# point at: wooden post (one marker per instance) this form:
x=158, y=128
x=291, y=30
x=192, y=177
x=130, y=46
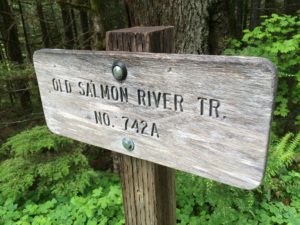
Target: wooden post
x=148, y=188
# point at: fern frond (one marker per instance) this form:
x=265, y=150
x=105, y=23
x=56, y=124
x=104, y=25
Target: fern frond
x=295, y=143
x=281, y=146
x=282, y=153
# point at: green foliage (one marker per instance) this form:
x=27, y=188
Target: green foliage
x=11, y=70
x=39, y=165
x=46, y=179
x=278, y=39
x=36, y=140
x=283, y=170
x=103, y=206
x=282, y=153
x=201, y=201
x=20, y=101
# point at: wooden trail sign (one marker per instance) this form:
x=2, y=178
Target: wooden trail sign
x=207, y=115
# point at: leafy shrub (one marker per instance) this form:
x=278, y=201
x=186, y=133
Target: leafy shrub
x=278, y=39
x=277, y=201
x=10, y=69
x=37, y=165
x=199, y=201
x=102, y=206
x=36, y=140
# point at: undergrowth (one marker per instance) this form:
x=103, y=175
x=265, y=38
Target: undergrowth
x=44, y=185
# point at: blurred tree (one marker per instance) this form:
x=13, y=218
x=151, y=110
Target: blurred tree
x=107, y=15
x=27, y=44
x=67, y=23
x=270, y=6
x=291, y=6
x=40, y=13
x=74, y=25
x=240, y=16
x=9, y=32
x=85, y=28
x=255, y=13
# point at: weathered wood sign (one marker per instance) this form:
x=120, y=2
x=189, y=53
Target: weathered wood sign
x=208, y=115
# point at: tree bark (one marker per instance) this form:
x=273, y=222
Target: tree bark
x=255, y=13
x=29, y=55
x=45, y=34
x=67, y=22
x=10, y=33
x=190, y=19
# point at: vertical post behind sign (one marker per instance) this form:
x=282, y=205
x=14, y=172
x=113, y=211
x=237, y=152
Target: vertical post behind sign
x=148, y=188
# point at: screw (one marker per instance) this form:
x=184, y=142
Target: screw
x=119, y=70
x=128, y=144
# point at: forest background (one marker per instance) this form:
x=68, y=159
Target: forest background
x=47, y=179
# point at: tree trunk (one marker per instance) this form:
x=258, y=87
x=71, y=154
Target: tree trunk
x=67, y=21
x=239, y=18
x=255, y=13
x=270, y=7
x=86, y=43
x=98, y=27
x=24, y=95
x=10, y=33
x=246, y=12
x=1, y=54
x=57, y=39
x=190, y=19
x=13, y=49
x=231, y=15
x=29, y=55
x=74, y=27
x=45, y=34
x=291, y=6
x=218, y=27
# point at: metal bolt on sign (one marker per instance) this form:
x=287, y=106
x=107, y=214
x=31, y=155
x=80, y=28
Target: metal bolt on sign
x=119, y=70
x=128, y=144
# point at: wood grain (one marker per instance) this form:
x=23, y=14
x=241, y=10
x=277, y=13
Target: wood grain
x=149, y=194
x=230, y=148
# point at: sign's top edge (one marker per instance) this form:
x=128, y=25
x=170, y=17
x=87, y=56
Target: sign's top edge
x=261, y=62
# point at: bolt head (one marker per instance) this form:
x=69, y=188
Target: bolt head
x=119, y=71
x=128, y=144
